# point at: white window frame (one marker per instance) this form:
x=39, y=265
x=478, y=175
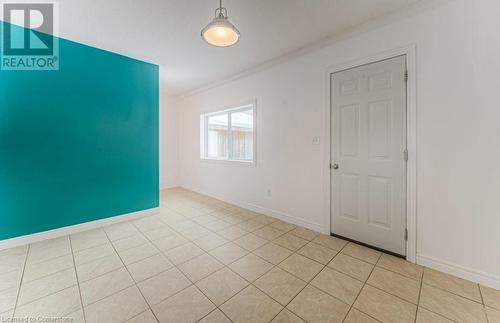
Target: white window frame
x=204, y=135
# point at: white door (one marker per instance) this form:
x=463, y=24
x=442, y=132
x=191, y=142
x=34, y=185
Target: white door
x=368, y=170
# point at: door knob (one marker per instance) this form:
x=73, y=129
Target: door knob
x=335, y=166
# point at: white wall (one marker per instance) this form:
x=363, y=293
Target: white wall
x=458, y=140
x=169, y=158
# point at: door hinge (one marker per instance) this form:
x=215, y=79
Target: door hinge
x=406, y=234
x=406, y=76
x=405, y=154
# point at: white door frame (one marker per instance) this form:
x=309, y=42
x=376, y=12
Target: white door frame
x=411, y=127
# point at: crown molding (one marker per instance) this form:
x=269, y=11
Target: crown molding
x=409, y=11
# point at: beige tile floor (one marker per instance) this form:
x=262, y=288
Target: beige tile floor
x=204, y=260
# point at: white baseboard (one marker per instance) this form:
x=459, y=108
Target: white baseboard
x=56, y=233
x=167, y=186
x=460, y=271
x=263, y=210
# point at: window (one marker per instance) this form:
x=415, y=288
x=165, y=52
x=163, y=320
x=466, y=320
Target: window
x=228, y=134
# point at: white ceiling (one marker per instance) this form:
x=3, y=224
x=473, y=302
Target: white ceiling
x=167, y=32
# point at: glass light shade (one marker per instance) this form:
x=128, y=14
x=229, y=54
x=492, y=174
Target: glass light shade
x=221, y=33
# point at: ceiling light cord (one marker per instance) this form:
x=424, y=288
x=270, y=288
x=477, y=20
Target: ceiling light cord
x=221, y=12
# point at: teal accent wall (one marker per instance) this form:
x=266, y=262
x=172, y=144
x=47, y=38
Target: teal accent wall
x=78, y=144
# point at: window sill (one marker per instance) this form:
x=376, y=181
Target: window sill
x=229, y=161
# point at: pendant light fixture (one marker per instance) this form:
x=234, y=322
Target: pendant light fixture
x=220, y=32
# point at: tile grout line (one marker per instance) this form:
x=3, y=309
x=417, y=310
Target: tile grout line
x=277, y=266
x=395, y=272
x=418, y=304
x=419, y=293
x=42, y=262
x=453, y=293
x=85, y=249
x=132, y=285
x=192, y=284
x=438, y=314
x=136, y=316
x=81, y=264
x=97, y=259
x=350, y=275
x=104, y=297
x=248, y=252
x=215, y=309
x=421, y=281
x=31, y=281
x=484, y=305
x=250, y=284
x=205, y=277
x=307, y=283
x=359, y=293
x=227, y=266
x=286, y=306
x=21, y=280
x=192, y=241
x=114, y=293
x=481, y=294
x=77, y=280
x=48, y=295
x=394, y=295
x=135, y=283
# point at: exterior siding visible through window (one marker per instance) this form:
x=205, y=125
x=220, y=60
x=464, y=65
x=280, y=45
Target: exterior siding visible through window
x=228, y=134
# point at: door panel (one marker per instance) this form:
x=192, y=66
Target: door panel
x=379, y=129
x=368, y=123
x=349, y=198
x=379, y=201
x=349, y=129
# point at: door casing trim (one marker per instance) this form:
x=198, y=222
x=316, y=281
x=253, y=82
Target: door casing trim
x=411, y=128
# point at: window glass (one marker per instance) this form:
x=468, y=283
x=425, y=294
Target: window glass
x=228, y=134
x=217, y=136
x=242, y=134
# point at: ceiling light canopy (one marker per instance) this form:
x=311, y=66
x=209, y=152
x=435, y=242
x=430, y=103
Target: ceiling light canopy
x=220, y=32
